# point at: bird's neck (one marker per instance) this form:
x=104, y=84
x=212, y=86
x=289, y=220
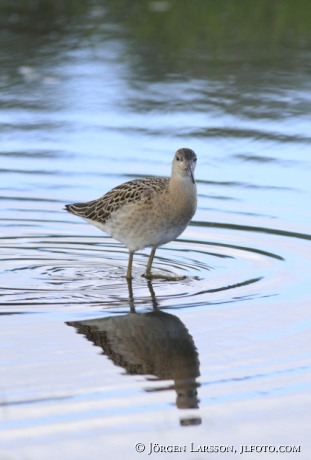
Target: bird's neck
x=183, y=190
x=181, y=184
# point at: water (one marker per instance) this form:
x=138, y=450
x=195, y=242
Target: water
x=90, y=99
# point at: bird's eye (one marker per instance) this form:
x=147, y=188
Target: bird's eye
x=177, y=158
x=195, y=160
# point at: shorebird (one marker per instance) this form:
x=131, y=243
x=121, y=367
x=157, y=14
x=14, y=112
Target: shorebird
x=146, y=212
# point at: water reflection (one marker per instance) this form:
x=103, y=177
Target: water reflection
x=151, y=344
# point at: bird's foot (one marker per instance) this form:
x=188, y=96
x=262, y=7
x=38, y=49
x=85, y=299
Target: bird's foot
x=163, y=277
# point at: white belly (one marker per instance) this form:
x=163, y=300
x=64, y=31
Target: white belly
x=139, y=231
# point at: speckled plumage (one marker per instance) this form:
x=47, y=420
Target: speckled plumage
x=146, y=212
x=100, y=210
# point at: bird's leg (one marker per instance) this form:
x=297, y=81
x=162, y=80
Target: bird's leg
x=149, y=275
x=150, y=260
x=129, y=267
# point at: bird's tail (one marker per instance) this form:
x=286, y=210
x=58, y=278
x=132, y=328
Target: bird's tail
x=79, y=209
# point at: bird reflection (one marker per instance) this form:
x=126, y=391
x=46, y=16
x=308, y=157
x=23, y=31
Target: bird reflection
x=152, y=344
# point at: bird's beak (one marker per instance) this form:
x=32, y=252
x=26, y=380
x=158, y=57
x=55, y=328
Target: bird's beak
x=190, y=169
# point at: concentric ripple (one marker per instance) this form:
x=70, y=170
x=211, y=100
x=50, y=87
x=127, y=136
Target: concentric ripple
x=217, y=263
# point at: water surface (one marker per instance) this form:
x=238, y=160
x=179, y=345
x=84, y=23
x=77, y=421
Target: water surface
x=95, y=96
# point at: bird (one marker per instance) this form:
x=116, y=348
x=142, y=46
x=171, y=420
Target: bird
x=146, y=212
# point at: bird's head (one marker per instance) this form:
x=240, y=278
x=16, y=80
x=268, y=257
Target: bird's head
x=184, y=163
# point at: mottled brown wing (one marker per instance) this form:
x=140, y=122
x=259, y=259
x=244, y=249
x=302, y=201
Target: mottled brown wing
x=129, y=192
